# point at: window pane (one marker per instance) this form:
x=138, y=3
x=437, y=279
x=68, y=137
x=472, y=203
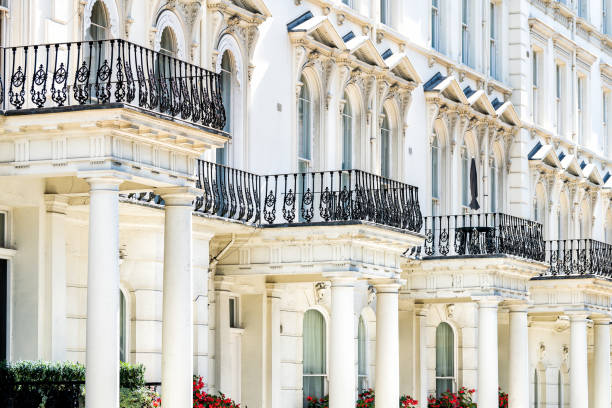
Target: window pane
x=465, y=182
x=233, y=313
x=493, y=177
x=445, y=358
x=385, y=147
x=383, y=11
x=304, y=121
x=3, y=309
x=361, y=348
x=314, y=354
x=347, y=135
x=3, y=243
x=435, y=171
x=122, y=328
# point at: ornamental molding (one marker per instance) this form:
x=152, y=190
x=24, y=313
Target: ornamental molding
x=168, y=18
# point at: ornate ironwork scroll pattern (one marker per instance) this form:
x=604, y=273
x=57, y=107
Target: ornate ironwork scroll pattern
x=108, y=72
x=483, y=234
x=577, y=257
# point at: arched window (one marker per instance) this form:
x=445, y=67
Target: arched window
x=99, y=27
x=435, y=175
x=347, y=134
x=314, y=354
x=385, y=147
x=304, y=127
x=465, y=176
x=384, y=11
x=123, y=352
x=493, y=174
x=226, y=95
x=563, y=219
x=168, y=45
x=362, y=362
x=445, y=358
x=608, y=227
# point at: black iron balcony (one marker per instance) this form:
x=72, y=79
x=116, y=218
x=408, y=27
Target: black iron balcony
x=578, y=257
x=228, y=193
x=481, y=234
x=340, y=196
x=312, y=198
x=108, y=73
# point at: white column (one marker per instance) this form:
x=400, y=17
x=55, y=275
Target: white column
x=602, y=363
x=421, y=315
x=488, y=381
x=273, y=348
x=342, y=374
x=579, y=383
x=518, y=391
x=55, y=287
x=387, y=345
x=177, y=304
x=102, y=352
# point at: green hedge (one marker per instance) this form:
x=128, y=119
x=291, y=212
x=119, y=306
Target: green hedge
x=130, y=376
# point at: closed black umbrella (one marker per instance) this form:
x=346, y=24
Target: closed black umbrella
x=474, y=186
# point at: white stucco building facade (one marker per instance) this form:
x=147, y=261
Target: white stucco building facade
x=278, y=195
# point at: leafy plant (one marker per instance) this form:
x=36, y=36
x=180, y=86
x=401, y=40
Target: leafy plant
x=366, y=399
x=141, y=397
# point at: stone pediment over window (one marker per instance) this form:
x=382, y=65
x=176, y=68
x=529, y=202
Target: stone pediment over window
x=570, y=165
x=401, y=66
x=254, y=6
x=544, y=154
x=448, y=86
x=506, y=111
x=592, y=174
x=319, y=28
x=478, y=100
x=364, y=49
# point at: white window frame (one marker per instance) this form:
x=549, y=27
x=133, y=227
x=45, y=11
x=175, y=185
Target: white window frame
x=386, y=166
x=493, y=40
x=435, y=179
x=465, y=177
x=605, y=125
x=362, y=376
x=605, y=23
x=455, y=358
x=435, y=24
x=386, y=14
x=304, y=164
x=465, y=32
x=234, y=313
x=347, y=118
x=581, y=88
x=326, y=374
x=535, y=84
x=582, y=9
x=559, y=97
x=493, y=186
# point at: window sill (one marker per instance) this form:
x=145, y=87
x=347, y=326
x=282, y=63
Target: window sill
x=7, y=253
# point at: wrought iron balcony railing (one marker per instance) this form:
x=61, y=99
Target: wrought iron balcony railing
x=481, y=234
x=107, y=72
x=577, y=257
x=337, y=196
x=302, y=198
x=228, y=193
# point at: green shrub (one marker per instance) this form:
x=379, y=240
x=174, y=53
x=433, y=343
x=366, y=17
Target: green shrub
x=131, y=376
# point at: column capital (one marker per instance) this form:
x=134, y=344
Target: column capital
x=517, y=307
x=488, y=302
x=387, y=285
x=340, y=279
x=56, y=203
x=578, y=315
x=421, y=309
x=178, y=196
x=601, y=320
x=273, y=291
x=103, y=180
